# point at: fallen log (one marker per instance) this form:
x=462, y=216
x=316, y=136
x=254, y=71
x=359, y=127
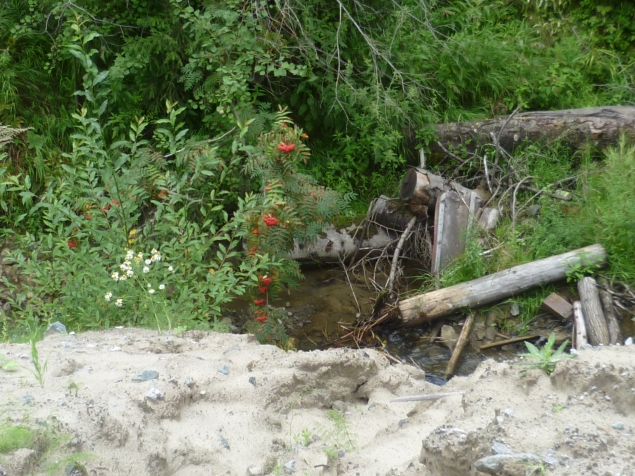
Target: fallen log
x=609, y=312
x=602, y=126
x=596, y=328
x=460, y=344
x=495, y=287
x=579, y=326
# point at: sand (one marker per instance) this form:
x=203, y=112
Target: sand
x=225, y=405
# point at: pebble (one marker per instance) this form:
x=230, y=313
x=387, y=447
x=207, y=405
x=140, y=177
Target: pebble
x=56, y=327
x=223, y=369
x=224, y=442
x=155, y=394
x=27, y=399
x=146, y=375
x=254, y=471
x=618, y=425
x=494, y=464
x=628, y=341
x=501, y=449
x=252, y=380
x=514, y=310
x=189, y=382
x=289, y=465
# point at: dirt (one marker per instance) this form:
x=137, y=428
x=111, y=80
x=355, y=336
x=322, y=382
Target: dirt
x=229, y=406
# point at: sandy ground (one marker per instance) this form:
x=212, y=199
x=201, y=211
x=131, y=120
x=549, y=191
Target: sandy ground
x=225, y=405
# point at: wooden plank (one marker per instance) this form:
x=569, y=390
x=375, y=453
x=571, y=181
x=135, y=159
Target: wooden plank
x=495, y=287
x=579, y=326
x=596, y=328
x=557, y=306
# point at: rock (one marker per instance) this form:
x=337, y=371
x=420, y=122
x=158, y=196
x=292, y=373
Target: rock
x=290, y=465
x=22, y=462
x=146, y=375
x=449, y=337
x=189, y=382
x=494, y=464
x=56, y=327
x=252, y=380
x=514, y=309
x=27, y=399
x=224, y=442
x=618, y=425
x=501, y=449
x=255, y=470
x=533, y=210
x=227, y=321
x=628, y=341
x=155, y=394
x=223, y=369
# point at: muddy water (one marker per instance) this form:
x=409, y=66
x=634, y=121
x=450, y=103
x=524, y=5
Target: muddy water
x=324, y=300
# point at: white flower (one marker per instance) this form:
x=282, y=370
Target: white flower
x=156, y=257
x=129, y=255
x=115, y=276
x=148, y=261
x=146, y=269
x=140, y=255
x=123, y=278
x=119, y=302
x=170, y=268
x=151, y=291
x=108, y=296
x=129, y=273
x=149, y=285
x=154, y=251
x=122, y=267
x=161, y=287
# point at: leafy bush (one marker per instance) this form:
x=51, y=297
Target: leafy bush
x=545, y=358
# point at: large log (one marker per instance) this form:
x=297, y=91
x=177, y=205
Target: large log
x=596, y=328
x=496, y=287
x=601, y=126
x=609, y=312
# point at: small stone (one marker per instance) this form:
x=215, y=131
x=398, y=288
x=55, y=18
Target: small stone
x=289, y=314
x=56, y=327
x=514, y=309
x=449, y=337
x=252, y=380
x=287, y=304
x=223, y=369
x=146, y=375
x=155, y=394
x=550, y=460
x=341, y=454
x=255, y=470
x=401, y=423
x=494, y=464
x=224, y=442
x=189, y=382
x=628, y=341
x=289, y=465
x=509, y=412
x=533, y=210
x=500, y=449
x=114, y=349
x=618, y=425
x=27, y=399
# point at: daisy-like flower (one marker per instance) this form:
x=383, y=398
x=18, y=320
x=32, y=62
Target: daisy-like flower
x=148, y=261
x=146, y=269
x=170, y=268
x=119, y=302
x=108, y=296
x=115, y=276
x=140, y=255
x=129, y=273
x=156, y=256
x=154, y=251
x=122, y=266
x=161, y=287
x=151, y=291
x=123, y=278
x=149, y=285
x=129, y=255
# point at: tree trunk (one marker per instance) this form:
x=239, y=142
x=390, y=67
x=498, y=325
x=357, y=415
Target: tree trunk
x=495, y=287
x=581, y=338
x=602, y=126
x=596, y=328
x=609, y=313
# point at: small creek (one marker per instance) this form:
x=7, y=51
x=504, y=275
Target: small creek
x=324, y=300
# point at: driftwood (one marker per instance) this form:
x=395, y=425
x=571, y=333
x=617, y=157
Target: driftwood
x=420, y=188
x=609, y=312
x=596, y=327
x=495, y=287
x=508, y=341
x=602, y=126
x=579, y=326
x=460, y=344
x=421, y=398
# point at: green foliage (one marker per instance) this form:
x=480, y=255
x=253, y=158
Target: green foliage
x=39, y=368
x=545, y=358
x=15, y=437
x=7, y=364
x=472, y=264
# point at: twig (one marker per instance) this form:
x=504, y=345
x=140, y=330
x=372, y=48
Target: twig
x=509, y=341
x=395, y=259
x=460, y=344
